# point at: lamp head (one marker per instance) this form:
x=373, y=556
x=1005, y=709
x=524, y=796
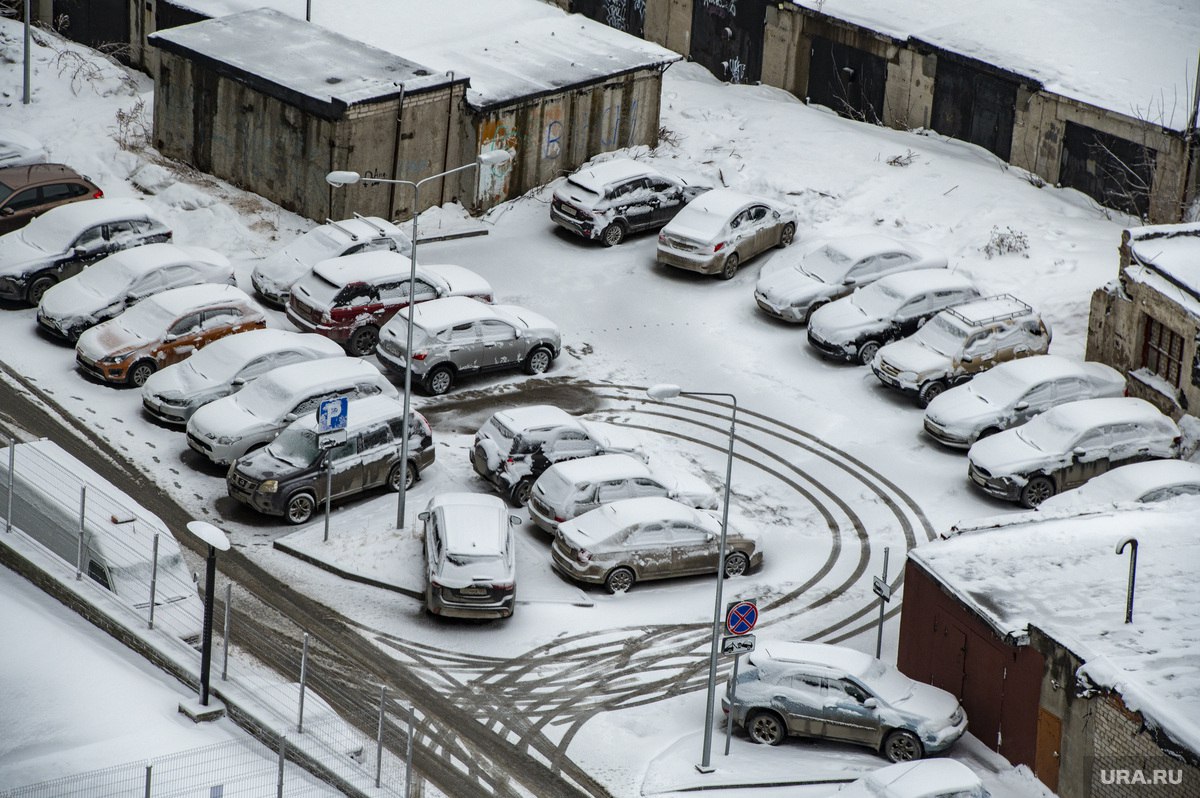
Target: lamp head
x=494, y=157
x=663, y=391
x=209, y=534
x=339, y=179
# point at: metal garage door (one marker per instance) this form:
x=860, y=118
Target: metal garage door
x=727, y=37
x=846, y=79
x=93, y=22
x=974, y=105
x=1116, y=172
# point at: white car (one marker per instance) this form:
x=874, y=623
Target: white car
x=273, y=275
x=927, y=778
x=107, y=288
x=470, y=556
x=1144, y=483
x=18, y=148
x=1068, y=445
x=226, y=429
x=791, y=287
x=63, y=240
x=721, y=229
x=225, y=367
x=855, y=327
x=573, y=487
x=1014, y=392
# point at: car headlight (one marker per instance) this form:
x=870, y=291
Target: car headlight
x=112, y=360
x=268, y=486
x=176, y=399
x=957, y=717
x=227, y=440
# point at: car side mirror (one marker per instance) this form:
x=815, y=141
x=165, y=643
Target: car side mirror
x=968, y=358
x=239, y=382
x=423, y=516
x=513, y=520
x=871, y=703
x=1079, y=451
x=6, y=211
x=1021, y=406
x=851, y=281
x=169, y=337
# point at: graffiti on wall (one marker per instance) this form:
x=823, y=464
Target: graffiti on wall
x=552, y=131
x=736, y=69
x=495, y=134
x=610, y=124
x=727, y=6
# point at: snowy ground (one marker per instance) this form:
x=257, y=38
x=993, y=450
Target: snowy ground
x=825, y=516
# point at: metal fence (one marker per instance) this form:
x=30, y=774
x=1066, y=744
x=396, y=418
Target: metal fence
x=294, y=682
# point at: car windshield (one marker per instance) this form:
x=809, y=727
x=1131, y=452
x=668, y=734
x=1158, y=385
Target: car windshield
x=1047, y=433
x=998, y=387
x=265, y=399
x=297, y=447
x=828, y=264
x=106, y=278
x=45, y=233
x=146, y=320
x=941, y=335
x=889, y=684
x=320, y=289
x=877, y=300
x=554, y=486
x=218, y=364
x=699, y=221
x=314, y=246
x=587, y=192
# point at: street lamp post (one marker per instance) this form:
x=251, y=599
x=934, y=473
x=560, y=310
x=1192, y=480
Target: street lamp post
x=339, y=179
x=216, y=540
x=661, y=392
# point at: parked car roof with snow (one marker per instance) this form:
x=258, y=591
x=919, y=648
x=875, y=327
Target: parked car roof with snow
x=18, y=148
x=722, y=229
x=1151, y=481
x=926, y=778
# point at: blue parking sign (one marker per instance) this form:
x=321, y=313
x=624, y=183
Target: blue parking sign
x=332, y=414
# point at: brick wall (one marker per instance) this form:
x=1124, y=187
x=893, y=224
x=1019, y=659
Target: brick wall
x=1129, y=763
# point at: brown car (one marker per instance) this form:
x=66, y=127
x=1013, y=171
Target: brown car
x=29, y=191
x=164, y=329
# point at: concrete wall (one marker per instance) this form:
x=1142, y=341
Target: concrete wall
x=669, y=23
x=1116, y=331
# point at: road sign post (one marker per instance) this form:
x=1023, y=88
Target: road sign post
x=884, y=591
x=332, y=415
x=740, y=619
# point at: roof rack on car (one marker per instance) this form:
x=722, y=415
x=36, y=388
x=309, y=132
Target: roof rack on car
x=1021, y=311
x=331, y=222
x=369, y=223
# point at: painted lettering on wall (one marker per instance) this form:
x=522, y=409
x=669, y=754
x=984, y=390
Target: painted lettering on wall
x=552, y=131
x=610, y=125
x=614, y=14
x=736, y=69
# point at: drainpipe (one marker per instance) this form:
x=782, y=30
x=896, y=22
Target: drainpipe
x=396, y=154
x=446, y=146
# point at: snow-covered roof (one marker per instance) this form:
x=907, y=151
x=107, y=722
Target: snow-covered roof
x=1138, y=60
x=980, y=311
x=288, y=380
x=136, y=261
x=597, y=176
x=378, y=264
x=627, y=512
x=1063, y=576
x=516, y=50
x=79, y=215
x=519, y=418
x=1087, y=414
x=864, y=245
x=837, y=658
x=1125, y=484
x=918, y=281
x=471, y=522
x=438, y=314
x=304, y=63
x=1171, y=249
x=1036, y=369
x=724, y=201
x=254, y=343
x=361, y=413
x=178, y=301
x=918, y=779
x=601, y=467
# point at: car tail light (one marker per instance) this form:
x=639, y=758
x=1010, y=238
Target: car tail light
x=558, y=519
x=502, y=586
x=420, y=355
x=487, y=298
x=435, y=584
x=584, y=556
x=343, y=313
x=662, y=238
x=99, y=194
x=719, y=247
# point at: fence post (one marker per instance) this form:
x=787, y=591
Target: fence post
x=149, y=767
x=282, y=759
x=408, y=746
x=379, y=736
x=12, y=452
x=303, y=674
x=225, y=637
x=153, y=579
x=79, y=556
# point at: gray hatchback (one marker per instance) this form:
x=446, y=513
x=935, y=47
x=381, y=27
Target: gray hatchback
x=458, y=335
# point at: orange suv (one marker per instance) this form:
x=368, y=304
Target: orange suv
x=29, y=191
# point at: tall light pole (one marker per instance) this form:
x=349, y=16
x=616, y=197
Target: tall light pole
x=216, y=540
x=339, y=179
x=661, y=392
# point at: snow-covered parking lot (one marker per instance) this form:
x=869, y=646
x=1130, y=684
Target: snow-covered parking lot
x=831, y=469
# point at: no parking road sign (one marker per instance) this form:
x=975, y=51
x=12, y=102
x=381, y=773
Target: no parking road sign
x=740, y=617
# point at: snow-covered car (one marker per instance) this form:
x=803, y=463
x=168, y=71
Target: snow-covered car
x=470, y=556
x=225, y=367
x=855, y=327
x=457, y=335
x=841, y=694
x=1143, y=483
x=348, y=299
x=722, y=229
x=226, y=429
x=273, y=276
x=927, y=778
x=514, y=447
x=18, y=148
x=289, y=475
x=791, y=288
x=1068, y=445
x=164, y=329
x=959, y=343
x=113, y=285
x=29, y=191
x=1014, y=392
x=610, y=200
x=638, y=540
x=573, y=487
x=63, y=240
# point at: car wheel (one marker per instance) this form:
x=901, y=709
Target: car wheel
x=613, y=234
x=731, y=266
x=866, y=353
x=787, y=235
x=930, y=391
x=815, y=307
x=398, y=474
x=766, y=728
x=538, y=361
x=902, y=746
x=440, y=380
x=736, y=564
x=619, y=580
x=300, y=507
x=139, y=372
x=988, y=433
x=1036, y=491
x=38, y=288
x=363, y=341
x=521, y=492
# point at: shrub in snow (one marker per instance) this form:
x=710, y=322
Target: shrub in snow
x=1006, y=242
